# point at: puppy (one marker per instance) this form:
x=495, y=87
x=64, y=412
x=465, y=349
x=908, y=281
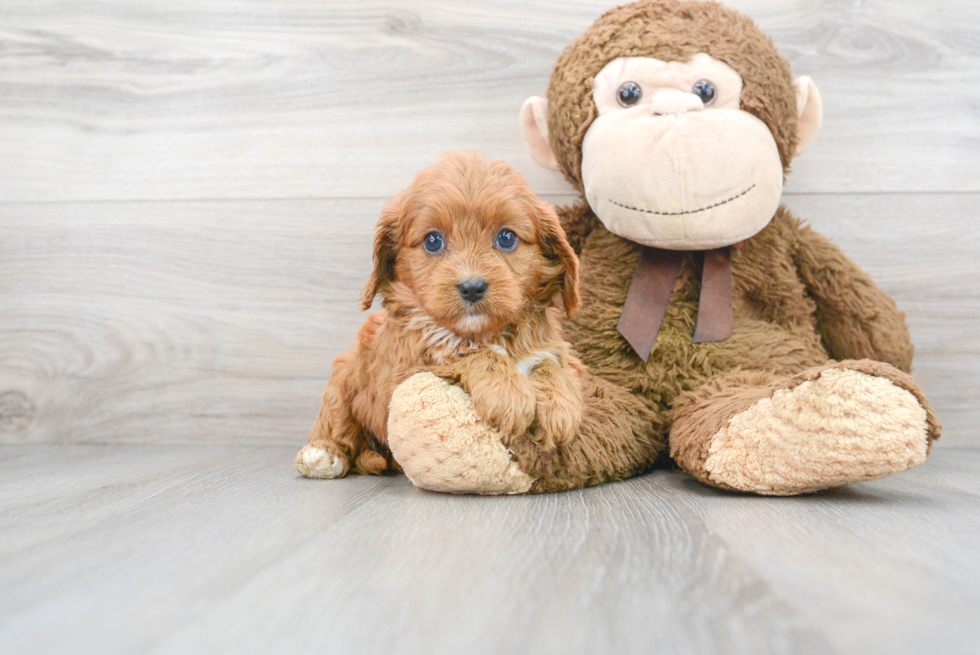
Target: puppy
x=471, y=266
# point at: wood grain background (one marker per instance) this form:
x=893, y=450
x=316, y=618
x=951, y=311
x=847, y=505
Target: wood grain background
x=187, y=190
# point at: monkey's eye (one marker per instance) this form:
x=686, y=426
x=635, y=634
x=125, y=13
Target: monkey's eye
x=506, y=239
x=433, y=242
x=629, y=94
x=705, y=90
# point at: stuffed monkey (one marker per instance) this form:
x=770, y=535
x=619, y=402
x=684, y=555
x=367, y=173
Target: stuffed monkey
x=764, y=357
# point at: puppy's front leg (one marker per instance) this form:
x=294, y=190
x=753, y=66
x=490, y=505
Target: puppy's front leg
x=560, y=402
x=501, y=395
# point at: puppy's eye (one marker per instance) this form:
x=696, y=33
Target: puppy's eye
x=629, y=94
x=433, y=242
x=506, y=239
x=705, y=90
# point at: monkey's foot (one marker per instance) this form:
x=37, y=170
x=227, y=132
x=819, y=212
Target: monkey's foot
x=844, y=422
x=442, y=445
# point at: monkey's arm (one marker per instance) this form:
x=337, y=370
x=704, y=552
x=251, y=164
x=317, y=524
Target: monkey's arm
x=855, y=318
x=577, y=220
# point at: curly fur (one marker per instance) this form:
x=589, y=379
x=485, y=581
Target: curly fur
x=506, y=350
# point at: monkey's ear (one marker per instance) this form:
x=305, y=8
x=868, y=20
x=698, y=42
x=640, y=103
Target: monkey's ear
x=809, y=108
x=387, y=238
x=534, y=127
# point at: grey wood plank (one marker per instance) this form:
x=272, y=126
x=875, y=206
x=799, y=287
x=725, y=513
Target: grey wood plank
x=219, y=321
x=179, y=316
x=163, y=549
x=124, y=99
x=852, y=556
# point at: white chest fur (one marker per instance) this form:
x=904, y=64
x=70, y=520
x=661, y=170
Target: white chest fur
x=442, y=343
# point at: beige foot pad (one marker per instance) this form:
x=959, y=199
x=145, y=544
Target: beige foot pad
x=842, y=427
x=314, y=462
x=440, y=442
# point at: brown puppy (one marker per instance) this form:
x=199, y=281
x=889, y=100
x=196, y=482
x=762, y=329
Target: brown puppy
x=470, y=264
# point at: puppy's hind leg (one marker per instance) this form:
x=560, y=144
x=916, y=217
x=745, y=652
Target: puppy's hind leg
x=338, y=442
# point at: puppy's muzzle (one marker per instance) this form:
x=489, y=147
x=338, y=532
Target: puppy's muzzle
x=472, y=289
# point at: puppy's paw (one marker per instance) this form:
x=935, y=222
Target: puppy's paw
x=558, y=422
x=370, y=462
x=511, y=410
x=321, y=461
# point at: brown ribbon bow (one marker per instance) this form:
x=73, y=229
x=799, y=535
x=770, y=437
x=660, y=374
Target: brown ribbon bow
x=649, y=295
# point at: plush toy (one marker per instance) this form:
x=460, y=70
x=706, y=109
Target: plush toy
x=751, y=345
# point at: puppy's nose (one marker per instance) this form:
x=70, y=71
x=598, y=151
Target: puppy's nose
x=472, y=288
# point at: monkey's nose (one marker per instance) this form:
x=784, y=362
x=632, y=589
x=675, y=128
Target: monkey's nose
x=666, y=103
x=472, y=289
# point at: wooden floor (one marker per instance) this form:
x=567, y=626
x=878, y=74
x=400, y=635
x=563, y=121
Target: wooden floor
x=187, y=195
x=218, y=549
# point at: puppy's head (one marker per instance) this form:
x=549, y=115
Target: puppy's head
x=471, y=246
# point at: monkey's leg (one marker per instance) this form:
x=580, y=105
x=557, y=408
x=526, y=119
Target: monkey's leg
x=442, y=444
x=830, y=425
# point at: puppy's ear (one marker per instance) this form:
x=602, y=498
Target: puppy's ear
x=387, y=238
x=554, y=244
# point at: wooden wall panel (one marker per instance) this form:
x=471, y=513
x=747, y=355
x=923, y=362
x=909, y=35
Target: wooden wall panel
x=124, y=99
x=187, y=191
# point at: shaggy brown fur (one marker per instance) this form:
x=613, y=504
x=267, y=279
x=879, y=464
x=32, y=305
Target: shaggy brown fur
x=798, y=301
x=505, y=349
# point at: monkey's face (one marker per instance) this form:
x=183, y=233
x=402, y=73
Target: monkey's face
x=672, y=161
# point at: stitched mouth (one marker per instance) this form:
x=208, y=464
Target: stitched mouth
x=692, y=211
